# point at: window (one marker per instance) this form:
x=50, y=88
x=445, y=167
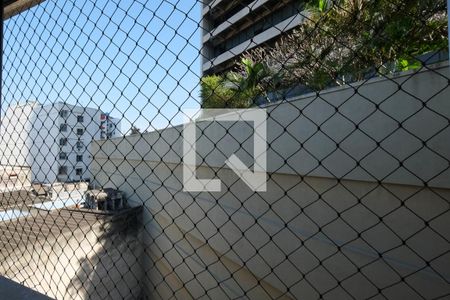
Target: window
x=64, y=113
x=80, y=131
x=257, y=27
x=79, y=171
x=62, y=155
x=79, y=158
x=63, y=128
x=62, y=170
x=80, y=119
x=63, y=141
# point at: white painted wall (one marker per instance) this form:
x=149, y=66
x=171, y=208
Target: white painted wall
x=354, y=187
x=23, y=141
x=14, y=178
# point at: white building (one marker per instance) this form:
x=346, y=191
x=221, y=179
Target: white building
x=53, y=140
x=109, y=126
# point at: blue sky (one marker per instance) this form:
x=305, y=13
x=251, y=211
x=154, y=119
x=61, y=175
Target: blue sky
x=138, y=60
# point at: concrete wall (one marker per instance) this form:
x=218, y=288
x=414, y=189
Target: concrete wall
x=100, y=261
x=358, y=198
x=15, y=128
x=14, y=178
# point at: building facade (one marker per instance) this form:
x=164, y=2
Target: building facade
x=231, y=27
x=109, y=126
x=53, y=140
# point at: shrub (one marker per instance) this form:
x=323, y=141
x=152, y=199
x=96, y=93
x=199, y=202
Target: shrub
x=237, y=89
x=340, y=41
x=345, y=40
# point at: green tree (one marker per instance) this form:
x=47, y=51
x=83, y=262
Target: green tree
x=343, y=40
x=214, y=93
x=237, y=89
x=340, y=41
x=134, y=130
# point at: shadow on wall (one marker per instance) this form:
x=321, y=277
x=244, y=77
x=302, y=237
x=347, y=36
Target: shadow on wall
x=342, y=218
x=111, y=269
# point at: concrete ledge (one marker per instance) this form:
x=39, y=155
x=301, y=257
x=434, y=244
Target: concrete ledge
x=372, y=132
x=13, y=291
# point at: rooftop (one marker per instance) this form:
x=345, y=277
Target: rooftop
x=28, y=233
x=14, y=291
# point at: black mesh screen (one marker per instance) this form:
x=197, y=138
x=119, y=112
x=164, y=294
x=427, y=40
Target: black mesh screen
x=226, y=149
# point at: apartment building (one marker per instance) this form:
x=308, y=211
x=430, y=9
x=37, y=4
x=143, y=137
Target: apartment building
x=231, y=27
x=53, y=140
x=109, y=126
